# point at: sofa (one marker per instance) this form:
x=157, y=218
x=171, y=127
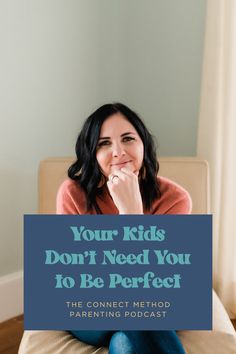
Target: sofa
x=193, y=175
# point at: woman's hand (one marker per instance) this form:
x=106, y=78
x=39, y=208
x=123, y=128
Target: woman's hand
x=123, y=186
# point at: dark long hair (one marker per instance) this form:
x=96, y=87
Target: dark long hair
x=85, y=170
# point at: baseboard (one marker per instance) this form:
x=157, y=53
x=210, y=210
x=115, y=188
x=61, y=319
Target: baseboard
x=11, y=295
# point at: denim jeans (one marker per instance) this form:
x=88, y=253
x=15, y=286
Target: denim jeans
x=133, y=342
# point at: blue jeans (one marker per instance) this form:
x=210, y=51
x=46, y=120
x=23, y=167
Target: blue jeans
x=133, y=342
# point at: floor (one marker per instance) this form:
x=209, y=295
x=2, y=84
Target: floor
x=11, y=333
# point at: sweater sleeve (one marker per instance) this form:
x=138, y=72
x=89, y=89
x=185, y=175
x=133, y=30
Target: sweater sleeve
x=70, y=200
x=174, y=198
x=183, y=205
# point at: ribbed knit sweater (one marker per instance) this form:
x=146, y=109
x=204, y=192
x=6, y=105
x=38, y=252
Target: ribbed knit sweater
x=72, y=200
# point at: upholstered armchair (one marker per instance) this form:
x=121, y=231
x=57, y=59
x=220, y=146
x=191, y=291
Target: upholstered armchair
x=193, y=175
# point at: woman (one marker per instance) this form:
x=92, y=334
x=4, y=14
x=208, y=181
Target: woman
x=116, y=173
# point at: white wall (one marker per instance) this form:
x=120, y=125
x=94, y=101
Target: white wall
x=160, y=67
x=60, y=59
x=49, y=72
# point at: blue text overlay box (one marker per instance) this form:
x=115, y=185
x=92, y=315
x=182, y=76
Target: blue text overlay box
x=118, y=272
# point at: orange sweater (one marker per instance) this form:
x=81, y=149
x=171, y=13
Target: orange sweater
x=174, y=199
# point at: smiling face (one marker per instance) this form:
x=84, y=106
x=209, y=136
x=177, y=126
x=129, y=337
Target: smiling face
x=119, y=145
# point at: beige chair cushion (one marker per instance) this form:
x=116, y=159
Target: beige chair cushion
x=221, y=340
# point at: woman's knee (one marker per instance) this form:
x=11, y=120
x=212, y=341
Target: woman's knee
x=121, y=344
